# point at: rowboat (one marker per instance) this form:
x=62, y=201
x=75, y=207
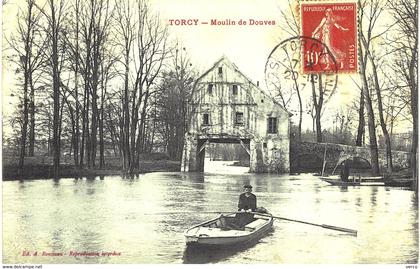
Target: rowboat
x=336, y=181
x=225, y=230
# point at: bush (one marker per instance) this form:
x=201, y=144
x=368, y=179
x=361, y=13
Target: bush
x=155, y=156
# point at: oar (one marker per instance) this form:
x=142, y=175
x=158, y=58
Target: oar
x=325, y=226
x=192, y=212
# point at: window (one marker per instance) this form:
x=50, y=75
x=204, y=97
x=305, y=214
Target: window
x=272, y=125
x=206, y=119
x=220, y=70
x=265, y=145
x=235, y=89
x=239, y=119
x=210, y=89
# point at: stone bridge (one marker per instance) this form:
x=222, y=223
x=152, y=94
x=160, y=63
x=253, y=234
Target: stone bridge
x=309, y=156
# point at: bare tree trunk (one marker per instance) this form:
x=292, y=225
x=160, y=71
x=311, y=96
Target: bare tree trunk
x=134, y=122
x=76, y=142
x=143, y=119
x=25, y=120
x=94, y=121
x=126, y=138
x=85, y=144
x=372, y=134
x=317, y=105
x=371, y=118
x=101, y=122
x=87, y=134
x=381, y=116
x=104, y=83
x=361, y=126
x=101, y=137
x=82, y=144
x=94, y=131
x=414, y=113
x=56, y=89
x=31, y=149
x=300, y=116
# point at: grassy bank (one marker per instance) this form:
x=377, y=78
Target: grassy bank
x=43, y=169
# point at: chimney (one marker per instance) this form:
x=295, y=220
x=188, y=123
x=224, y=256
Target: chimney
x=258, y=83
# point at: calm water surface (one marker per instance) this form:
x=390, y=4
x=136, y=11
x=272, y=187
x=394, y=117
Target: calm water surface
x=116, y=214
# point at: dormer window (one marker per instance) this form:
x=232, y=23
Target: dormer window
x=210, y=89
x=235, y=89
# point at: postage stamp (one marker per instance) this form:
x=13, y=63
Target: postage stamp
x=334, y=24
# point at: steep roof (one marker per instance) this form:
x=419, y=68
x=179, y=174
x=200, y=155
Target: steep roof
x=224, y=58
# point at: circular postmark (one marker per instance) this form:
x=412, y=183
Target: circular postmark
x=298, y=62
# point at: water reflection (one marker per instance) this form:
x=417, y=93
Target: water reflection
x=344, y=188
x=373, y=196
x=57, y=242
x=122, y=214
x=201, y=255
x=196, y=254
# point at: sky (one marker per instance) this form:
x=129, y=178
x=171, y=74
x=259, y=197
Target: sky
x=248, y=46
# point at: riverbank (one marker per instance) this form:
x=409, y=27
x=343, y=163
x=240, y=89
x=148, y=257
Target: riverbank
x=44, y=171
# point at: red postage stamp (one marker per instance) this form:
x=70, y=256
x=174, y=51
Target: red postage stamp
x=331, y=29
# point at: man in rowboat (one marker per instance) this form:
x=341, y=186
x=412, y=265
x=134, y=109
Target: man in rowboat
x=247, y=204
x=247, y=200
x=345, y=170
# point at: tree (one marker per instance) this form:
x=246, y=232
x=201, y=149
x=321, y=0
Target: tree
x=27, y=45
x=361, y=121
x=285, y=94
x=405, y=44
x=174, y=92
x=152, y=51
x=375, y=80
x=378, y=90
x=372, y=13
x=125, y=29
x=75, y=65
x=326, y=89
x=55, y=14
x=144, y=43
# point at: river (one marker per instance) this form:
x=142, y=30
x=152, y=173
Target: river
x=142, y=220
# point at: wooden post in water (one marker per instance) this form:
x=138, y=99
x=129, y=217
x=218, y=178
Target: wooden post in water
x=324, y=162
x=415, y=174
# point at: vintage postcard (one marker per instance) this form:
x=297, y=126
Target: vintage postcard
x=172, y=132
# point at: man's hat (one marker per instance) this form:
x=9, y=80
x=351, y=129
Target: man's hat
x=247, y=186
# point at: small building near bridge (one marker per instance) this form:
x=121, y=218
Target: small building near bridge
x=227, y=107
